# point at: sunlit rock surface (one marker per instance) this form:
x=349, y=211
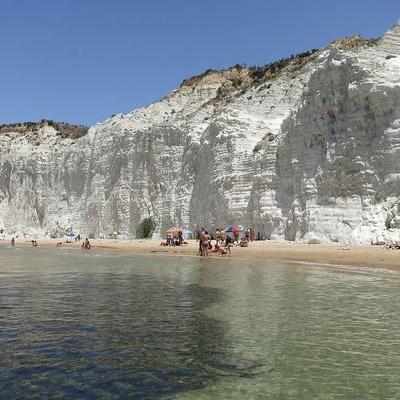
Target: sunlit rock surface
x=305, y=150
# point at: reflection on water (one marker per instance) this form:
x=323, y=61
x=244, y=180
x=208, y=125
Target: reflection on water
x=87, y=325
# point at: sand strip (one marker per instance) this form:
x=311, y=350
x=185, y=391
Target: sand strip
x=360, y=256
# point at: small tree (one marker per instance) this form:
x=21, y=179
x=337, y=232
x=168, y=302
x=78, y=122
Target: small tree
x=257, y=148
x=146, y=228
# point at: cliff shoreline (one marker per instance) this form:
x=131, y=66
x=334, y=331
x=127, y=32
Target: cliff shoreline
x=263, y=251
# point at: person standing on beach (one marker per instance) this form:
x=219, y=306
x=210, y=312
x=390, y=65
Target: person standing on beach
x=218, y=236
x=12, y=242
x=200, y=239
x=223, y=235
x=205, y=242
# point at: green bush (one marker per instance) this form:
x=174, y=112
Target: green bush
x=146, y=228
x=257, y=148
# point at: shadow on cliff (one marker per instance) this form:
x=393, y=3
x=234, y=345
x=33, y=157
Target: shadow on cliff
x=208, y=203
x=335, y=145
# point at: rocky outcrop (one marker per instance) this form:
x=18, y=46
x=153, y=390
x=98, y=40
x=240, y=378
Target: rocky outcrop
x=303, y=149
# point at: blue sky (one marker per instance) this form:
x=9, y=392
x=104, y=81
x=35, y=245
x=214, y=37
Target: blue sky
x=80, y=61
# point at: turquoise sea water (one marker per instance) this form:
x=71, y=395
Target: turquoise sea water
x=91, y=325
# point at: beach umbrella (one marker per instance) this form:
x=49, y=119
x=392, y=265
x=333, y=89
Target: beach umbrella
x=186, y=234
x=70, y=234
x=174, y=230
x=231, y=230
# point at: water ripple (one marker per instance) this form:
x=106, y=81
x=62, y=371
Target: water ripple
x=106, y=326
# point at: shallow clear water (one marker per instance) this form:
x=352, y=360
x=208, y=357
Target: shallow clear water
x=93, y=325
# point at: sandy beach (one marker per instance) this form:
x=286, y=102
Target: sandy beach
x=361, y=256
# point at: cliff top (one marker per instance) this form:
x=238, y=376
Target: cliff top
x=353, y=42
x=242, y=74
x=63, y=130
x=239, y=74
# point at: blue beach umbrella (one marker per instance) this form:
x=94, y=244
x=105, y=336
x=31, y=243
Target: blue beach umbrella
x=187, y=234
x=70, y=234
x=231, y=230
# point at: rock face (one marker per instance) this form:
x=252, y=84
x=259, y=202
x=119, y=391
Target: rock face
x=305, y=149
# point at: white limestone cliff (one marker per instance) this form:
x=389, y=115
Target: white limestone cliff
x=305, y=150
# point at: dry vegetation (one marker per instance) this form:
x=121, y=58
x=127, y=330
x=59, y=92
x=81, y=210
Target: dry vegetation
x=255, y=73
x=271, y=70
x=63, y=129
x=353, y=42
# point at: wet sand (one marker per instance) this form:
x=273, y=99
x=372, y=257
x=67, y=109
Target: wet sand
x=362, y=256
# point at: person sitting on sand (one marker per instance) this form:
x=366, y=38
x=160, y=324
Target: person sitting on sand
x=225, y=250
x=392, y=245
x=222, y=251
x=59, y=244
x=86, y=244
x=244, y=243
x=34, y=243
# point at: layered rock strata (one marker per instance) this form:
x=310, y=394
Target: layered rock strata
x=304, y=149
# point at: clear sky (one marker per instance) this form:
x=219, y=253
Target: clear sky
x=80, y=61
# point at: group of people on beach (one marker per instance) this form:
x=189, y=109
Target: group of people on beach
x=33, y=242
x=175, y=239
x=85, y=245
x=223, y=241
x=221, y=247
